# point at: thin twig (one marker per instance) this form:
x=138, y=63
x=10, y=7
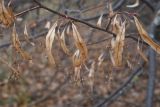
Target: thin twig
x=122, y=88
x=26, y=11
x=149, y=4
x=72, y=18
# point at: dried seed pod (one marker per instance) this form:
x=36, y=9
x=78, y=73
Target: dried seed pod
x=77, y=76
x=100, y=58
x=99, y=23
x=26, y=35
x=17, y=45
x=48, y=25
x=63, y=43
x=80, y=44
x=68, y=30
x=130, y=65
x=144, y=35
x=91, y=75
x=141, y=53
x=117, y=43
x=49, y=41
x=76, y=59
x=6, y=15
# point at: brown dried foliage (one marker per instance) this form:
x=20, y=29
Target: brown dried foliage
x=144, y=35
x=81, y=54
x=6, y=15
x=63, y=43
x=49, y=41
x=17, y=45
x=117, y=43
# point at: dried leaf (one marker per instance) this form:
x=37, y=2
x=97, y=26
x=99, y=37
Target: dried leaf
x=76, y=59
x=6, y=15
x=68, y=30
x=92, y=69
x=77, y=75
x=144, y=35
x=117, y=43
x=26, y=35
x=48, y=25
x=80, y=44
x=134, y=5
x=49, y=41
x=99, y=23
x=17, y=45
x=129, y=65
x=112, y=58
x=141, y=53
x=91, y=75
x=15, y=72
x=63, y=43
x=86, y=67
x=26, y=32
x=100, y=59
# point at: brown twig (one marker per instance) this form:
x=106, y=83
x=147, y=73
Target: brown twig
x=107, y=101
x=93, y=43
x=72, y=18
x=28, y=10
x=149, y=4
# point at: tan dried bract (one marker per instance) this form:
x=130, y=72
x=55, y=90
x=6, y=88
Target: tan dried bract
x=99, y=22
x=141, y=53
x=63, y=43
x=117, y=43
x=91, y=75
x=144, y=35
x=76, y=59
x=26, y=35
x=6, y=15
x=17, y=45
x=80, y=44
x=49, y=41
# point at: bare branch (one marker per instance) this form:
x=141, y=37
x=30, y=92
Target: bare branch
x=72, y=18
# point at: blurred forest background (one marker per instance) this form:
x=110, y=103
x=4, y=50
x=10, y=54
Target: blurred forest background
x=36, y=83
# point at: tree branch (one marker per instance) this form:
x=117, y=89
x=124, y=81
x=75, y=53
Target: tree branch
x=122, y=88
x=26, y=11
x=72, y=18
